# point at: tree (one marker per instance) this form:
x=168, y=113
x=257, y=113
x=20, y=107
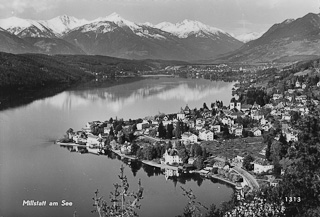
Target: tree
x=182, y=152
x=161, y=130
x=284, y=146
x=226, y=133
x=247, y=162
x=198, y=163
x=158, y=150
x=69, y=133
x=121, y=137
x=134, y=148
x=111, y=120
x=267, y=139
x=178, y=130
x=204, y=153
x=205, y=106
x=275, y=151
x=140, y=154
x=302, y=176
x=111, y=133
x=123, y=202
x=197, y=150
x=212, y=105
x=131, y=137
x=168, y=145
x=118, y=128
x=149, y=152
x=169, y=134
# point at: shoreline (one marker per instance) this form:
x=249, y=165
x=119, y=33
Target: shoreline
x=150, y=163
x=153, y=164
x=224, y=180
x=164, y=166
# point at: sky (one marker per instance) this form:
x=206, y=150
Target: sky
x=233, y=16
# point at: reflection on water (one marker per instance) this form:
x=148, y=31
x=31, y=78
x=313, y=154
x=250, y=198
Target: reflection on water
x=115, y=99
x=33, y=168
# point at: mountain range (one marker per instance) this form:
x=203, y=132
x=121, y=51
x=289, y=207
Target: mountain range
x=187, y=40
x=288, y=41
x=117, y=37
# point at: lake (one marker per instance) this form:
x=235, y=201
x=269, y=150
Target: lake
x=33, y=168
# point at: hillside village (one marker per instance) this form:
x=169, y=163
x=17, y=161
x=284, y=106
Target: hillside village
x=240, y=134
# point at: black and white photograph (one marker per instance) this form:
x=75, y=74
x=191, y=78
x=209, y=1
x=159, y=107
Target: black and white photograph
x=159, y=108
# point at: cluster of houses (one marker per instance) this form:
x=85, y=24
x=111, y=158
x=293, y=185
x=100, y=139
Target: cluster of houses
x=207, y=125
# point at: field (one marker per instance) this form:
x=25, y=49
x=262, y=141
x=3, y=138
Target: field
x=233, y=147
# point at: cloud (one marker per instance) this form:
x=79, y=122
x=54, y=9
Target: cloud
x=20, y=6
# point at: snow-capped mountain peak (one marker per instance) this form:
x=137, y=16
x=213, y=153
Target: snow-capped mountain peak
x=121, y=22
x=25, y=27
x=64, y=23
x=188, y=27
x=246, y=37
x=15, y=22
x=165, y=25
x=147, y=24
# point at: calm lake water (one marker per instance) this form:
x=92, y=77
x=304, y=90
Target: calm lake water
x=33, y=168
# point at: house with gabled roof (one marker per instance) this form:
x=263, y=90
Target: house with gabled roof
x=261, y=165
x=206, y=135
x=93, y=140
x=257, y=115
x=236, y=129
x=256, y=131
x=227, y=120
x=186, y=110
x=171, y=156
x=187, y=136
x=291, y=135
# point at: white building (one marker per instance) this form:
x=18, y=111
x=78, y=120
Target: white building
x=187, y=136
x=216, y=128
x=171, y=156
x=238, y=106
x=236, y=129
x=227, y=120
x=181, y=116
x=291, y=136
x=231, y=105
x=93, y=140
x=256, y=132
x=260, y=166
x=143, y=125
x=206, y=135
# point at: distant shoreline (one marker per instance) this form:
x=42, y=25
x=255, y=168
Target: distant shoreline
x=156, y=75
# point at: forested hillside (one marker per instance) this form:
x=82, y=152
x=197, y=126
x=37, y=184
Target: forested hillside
x=37, y=70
